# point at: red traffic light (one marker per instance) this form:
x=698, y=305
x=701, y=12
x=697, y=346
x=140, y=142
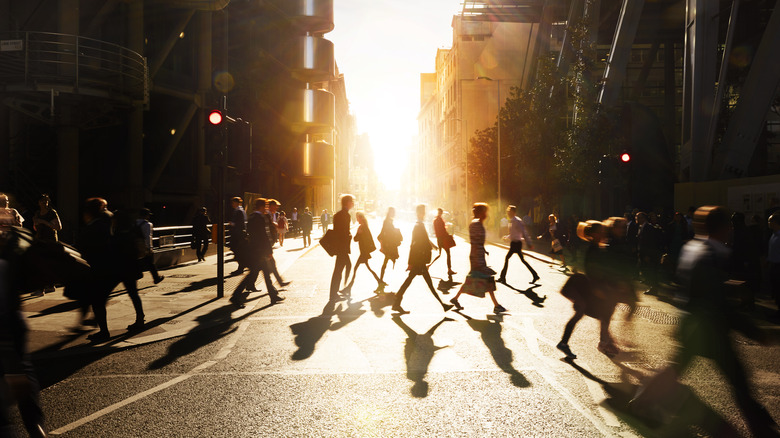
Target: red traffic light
x=625, y=157
x=215, y=117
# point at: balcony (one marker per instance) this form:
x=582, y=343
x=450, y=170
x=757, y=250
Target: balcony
x=43, y=61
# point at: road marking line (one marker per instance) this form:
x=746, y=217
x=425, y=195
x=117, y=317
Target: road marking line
x=223, y=353
x=558, y=387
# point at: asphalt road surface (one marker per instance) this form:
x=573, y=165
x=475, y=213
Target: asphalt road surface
x=304, y=369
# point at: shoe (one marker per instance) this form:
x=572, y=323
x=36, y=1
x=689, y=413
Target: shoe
x=447, y=307
x=566, y=350
x=451, y=272
x=535, y=279
x=499, y=309
x=159, y=279
x=99, y=337
x=284, y=283
x=398, y=309
x=276, y=299
x=138, y=325
x=456, y=304
x=608, y=349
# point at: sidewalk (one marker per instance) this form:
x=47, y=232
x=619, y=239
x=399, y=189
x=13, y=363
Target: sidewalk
x=172, y=308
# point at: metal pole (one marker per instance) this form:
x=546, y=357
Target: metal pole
x=498, y=118
x=221, y=230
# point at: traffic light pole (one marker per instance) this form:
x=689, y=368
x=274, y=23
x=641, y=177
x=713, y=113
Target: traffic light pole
x=221, y=231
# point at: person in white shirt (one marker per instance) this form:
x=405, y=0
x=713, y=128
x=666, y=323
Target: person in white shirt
x=146, y=227
x=517, y=234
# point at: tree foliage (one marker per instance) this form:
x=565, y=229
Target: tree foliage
x=553, y=134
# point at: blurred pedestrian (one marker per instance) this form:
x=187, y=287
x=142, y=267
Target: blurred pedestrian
x=201, y=233
x=18, y=383
x=745, y=263
x=706, y=329
x=259, y=253
x=9, y=212
x=282, y=226
x=419, y=257
x=480, y=279
x=343, y=237
x=558, y=238
x=366, y=244
x=272, y=215
x=444, y=240
x=95, y=245
x=390, y=239
x=147, y=231
x=237, y=242
x=294, y=221
x=306, y=222
x=517, y=234
x=588, y=292
x=130, y=253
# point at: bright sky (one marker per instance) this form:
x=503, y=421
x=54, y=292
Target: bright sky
x=381, y=47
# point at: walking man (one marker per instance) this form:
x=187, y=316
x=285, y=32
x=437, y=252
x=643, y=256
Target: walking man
x=517, y=235
x=147, y=228
x=341, y=221
x=237, y=233
x=306, y=222
x=259, y=252
x=419, y=257
x=444, y=239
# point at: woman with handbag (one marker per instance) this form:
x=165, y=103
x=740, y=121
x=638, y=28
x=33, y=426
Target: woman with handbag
x=444, y=240
x=390, y=239
x=557, y=237
x=480, y=279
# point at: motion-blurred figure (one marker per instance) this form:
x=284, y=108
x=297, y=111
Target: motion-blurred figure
x=343, y=265
x=444, y=240
x=201, y=233
x=306, y=222
x=366, y=243
x=517, y=235
x=147, y=229
x=390, y=239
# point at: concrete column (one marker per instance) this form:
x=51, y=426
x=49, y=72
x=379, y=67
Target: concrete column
x=134, y=192
x=670, y=97
x=68, y=198
x=5, y=148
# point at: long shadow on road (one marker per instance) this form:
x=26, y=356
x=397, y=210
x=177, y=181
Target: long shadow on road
x=418, y=352
x=490, y=331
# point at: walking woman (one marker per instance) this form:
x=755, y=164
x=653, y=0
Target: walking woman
x=557, y=237
x=282, y=227
x=389, y=240
x=588, y=292
x=480, y=279
x=444, y=240
x=366, y=243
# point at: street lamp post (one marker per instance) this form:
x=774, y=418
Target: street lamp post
x=498, y=140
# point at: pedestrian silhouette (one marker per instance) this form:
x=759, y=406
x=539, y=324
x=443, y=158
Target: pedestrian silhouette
x=390, y=239
x=418, y=352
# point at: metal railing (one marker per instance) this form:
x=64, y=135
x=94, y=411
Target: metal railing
x=176, y=237
x=43, y=60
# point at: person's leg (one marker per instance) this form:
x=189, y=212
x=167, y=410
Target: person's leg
x=272, y=263
x=509, y=254
x=376, y=277
x=400, y=294
x=335, y=280
x=149, y=261
x=569, y=329
x=99, y=297
x=450, y=272
x=132, y=292
x=429, y=282
x=493, y=298
x=384, y=266
x=347, y=268
x=354, y=272
x=527, y=265
x=269, y=285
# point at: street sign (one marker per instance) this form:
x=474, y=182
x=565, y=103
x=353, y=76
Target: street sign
x=11, y=45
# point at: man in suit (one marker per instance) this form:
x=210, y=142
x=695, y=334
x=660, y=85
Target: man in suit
x=419, y=257
x=341, y=222
x=306, y=222
x=237, y=233
x=258, y=254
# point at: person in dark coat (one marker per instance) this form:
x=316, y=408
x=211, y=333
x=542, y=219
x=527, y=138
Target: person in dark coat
x=306, y=222
x=341, y=222
x=126, y=242
x=258, y=252
x=237, y=241
x=419, y=257
x=649, y=247
x=444, y=240
x=366, y=244
x=201, y=233
x=745, y=260
x=706, y=329
x=95, y=245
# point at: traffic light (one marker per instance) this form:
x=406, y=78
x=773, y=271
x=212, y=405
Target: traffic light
x=625, y=157
x=215, y=138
